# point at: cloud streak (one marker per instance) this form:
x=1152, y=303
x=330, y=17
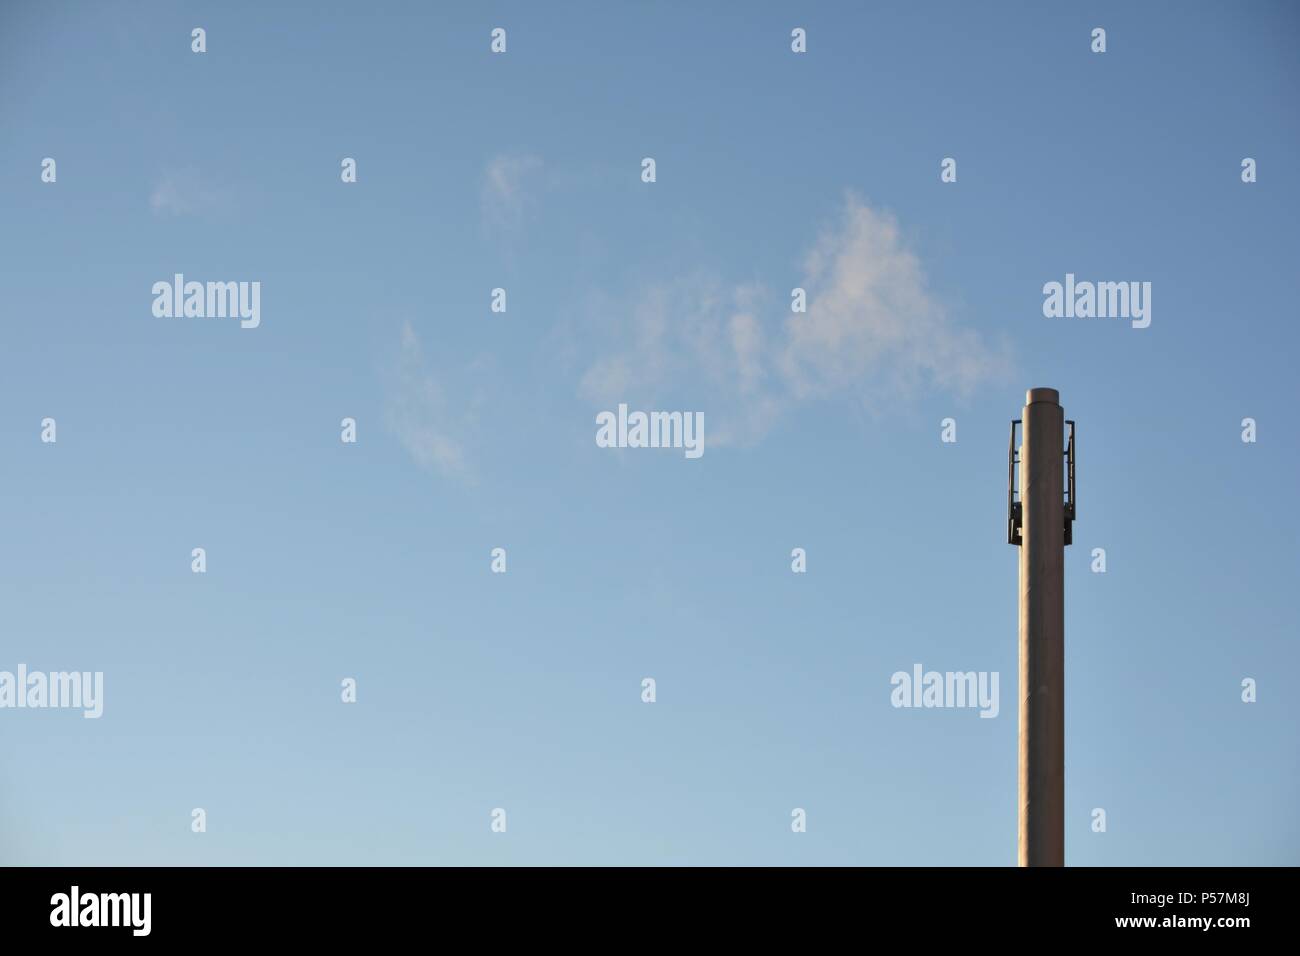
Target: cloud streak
x=872, y=334
x=417, y=412
x=186, y=193
x=872, y=321
x=504, y=196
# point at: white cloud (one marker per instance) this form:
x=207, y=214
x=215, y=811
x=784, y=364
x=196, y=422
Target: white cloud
x=872, y=334
x=185, y=193
x=689, y=344
x=504, y=196
x=417, y=412
x=872, y=322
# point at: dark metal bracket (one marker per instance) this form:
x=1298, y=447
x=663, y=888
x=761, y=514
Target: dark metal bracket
x=1069, y=485
x=1014, y=512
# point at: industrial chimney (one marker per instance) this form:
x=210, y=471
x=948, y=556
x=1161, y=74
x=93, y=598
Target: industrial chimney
x=1040, y=515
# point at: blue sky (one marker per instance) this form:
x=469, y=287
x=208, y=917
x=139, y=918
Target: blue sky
x=476, y=429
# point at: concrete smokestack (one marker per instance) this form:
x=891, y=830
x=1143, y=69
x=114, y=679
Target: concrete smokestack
x=1043, y=533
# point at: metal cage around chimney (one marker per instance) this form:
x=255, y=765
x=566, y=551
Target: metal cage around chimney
x=1015, y=513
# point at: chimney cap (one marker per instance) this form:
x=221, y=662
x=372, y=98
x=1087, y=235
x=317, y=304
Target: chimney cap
x=1050, y=395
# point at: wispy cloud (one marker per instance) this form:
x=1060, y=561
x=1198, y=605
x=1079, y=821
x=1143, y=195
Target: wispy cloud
x=871, y=321
x=872, y=334
x=186, y=192
x=505, y=189
x=689, y=343
x=417, y=411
